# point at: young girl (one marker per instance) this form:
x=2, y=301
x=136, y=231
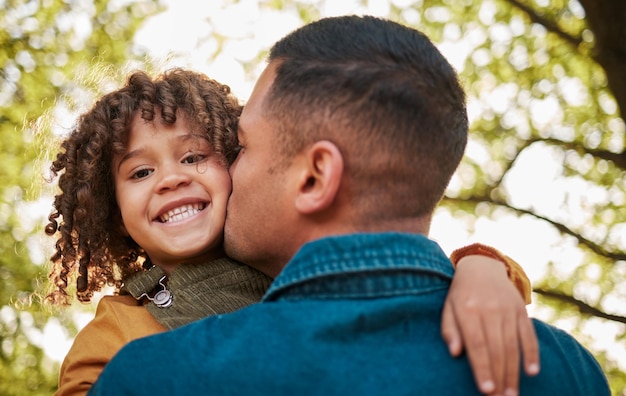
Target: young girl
x=144, y=185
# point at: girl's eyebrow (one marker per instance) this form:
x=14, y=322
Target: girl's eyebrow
x=139, y=151
x=128, y=156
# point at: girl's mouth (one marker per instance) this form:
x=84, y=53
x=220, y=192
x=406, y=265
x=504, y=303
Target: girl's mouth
x=182, y=212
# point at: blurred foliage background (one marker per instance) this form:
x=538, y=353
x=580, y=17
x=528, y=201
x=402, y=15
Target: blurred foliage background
x=547, y=157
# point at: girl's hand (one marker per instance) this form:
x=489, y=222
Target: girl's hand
x=485, y=315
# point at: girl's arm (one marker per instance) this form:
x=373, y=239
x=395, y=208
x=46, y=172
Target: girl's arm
x=485, y=315
x=118, y=320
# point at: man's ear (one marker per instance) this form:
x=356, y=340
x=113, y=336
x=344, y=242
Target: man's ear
x=319, y=182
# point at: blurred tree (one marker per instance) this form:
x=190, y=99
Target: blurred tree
x=546, y=85
x=45, y=46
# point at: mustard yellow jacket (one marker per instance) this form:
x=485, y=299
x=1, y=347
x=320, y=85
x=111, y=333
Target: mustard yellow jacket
x=118, y=320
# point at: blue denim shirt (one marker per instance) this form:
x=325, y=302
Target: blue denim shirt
x=349, y=315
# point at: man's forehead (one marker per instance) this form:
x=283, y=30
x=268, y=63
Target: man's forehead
x=253, y=110
x=262, y=86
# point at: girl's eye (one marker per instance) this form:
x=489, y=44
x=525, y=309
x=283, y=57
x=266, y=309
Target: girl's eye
x=193, y=158
x=141, y=173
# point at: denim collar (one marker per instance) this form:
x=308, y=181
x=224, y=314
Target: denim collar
x=363, y=265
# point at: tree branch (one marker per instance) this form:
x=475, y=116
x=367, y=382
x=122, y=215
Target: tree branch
x=619, y=159
x=509, y=164
x=594, y=247
x=582, y=306
x=551, y=26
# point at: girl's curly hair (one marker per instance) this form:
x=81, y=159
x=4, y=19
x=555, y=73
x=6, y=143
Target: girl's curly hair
x=90, y=244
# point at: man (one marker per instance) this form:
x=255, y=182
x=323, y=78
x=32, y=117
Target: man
x=348, y=142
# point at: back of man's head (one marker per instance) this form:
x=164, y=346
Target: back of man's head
x=385, y=96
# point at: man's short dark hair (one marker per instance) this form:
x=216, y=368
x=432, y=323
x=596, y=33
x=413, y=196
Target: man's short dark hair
x=385, y=95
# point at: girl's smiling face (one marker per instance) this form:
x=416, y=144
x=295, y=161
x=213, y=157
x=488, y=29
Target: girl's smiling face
x=172, y=190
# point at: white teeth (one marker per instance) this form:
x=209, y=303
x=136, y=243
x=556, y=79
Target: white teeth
x=181, y=213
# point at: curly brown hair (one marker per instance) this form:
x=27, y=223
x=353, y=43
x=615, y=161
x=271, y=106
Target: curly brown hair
x=91, y=245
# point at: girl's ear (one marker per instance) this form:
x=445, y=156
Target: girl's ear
x=321, y=178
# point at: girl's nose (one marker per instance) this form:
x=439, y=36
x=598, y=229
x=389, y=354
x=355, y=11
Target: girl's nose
x=171, y=179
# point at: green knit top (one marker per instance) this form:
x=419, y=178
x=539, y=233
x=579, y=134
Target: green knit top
x=199, y=290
